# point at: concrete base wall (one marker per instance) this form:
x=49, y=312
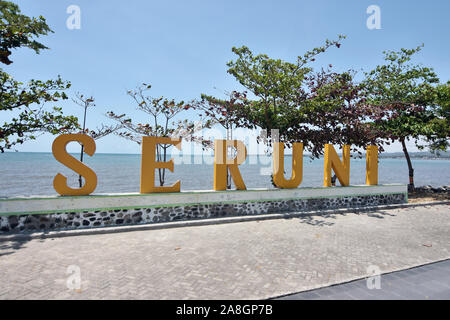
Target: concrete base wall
x=62, y=213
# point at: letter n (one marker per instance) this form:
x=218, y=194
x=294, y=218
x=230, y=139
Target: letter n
x=372, y=165
x=341, y=169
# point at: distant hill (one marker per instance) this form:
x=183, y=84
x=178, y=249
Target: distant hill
x=399, y=155
x=417, y=155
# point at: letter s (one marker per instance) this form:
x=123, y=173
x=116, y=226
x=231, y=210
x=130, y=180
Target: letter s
x=61, y=155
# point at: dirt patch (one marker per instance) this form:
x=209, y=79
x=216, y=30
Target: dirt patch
x=420, y=196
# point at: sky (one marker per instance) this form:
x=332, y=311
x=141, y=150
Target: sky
x=181, y=47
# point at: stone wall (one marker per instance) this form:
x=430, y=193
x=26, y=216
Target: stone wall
x=78, y=219
x=431, y=189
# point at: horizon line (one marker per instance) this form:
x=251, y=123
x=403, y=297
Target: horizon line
x=200, y=154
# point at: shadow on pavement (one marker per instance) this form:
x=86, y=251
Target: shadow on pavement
x=320, y=220
x=9, y=246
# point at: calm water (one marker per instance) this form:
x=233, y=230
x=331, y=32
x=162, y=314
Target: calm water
x=24, y=174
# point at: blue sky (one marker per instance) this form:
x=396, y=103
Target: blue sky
x=182, y=47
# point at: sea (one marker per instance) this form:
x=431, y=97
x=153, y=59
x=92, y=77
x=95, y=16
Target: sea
x=31, y=173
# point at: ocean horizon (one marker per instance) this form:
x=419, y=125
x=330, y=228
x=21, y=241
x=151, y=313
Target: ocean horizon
x=32, y=173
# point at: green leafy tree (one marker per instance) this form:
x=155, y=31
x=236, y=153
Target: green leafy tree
x=277, y=87
x=406, y=95
x=18, y=30
x=336, y=112
x=24, y=103
x=303, y=105
x=440, y=125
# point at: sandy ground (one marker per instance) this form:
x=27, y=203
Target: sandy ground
x=417, y=197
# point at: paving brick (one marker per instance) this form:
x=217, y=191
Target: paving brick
x=245, y=260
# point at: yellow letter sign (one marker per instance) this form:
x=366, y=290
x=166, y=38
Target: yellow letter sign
x=149, y=164
x=342, y=169
x=61, y=155
x=222, y=163
x=372, y=166
x=278, y=166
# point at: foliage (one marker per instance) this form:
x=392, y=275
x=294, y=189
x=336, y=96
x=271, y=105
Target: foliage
x=405, y=93
x=440, y=125
x=101, y=131
x=24, y=102
x=32, y=118
x=227, y=113
x=304, y=105
x=294, y=99
x=336, y=112
x=277, y=86
x=18, y=30
x=162, y=112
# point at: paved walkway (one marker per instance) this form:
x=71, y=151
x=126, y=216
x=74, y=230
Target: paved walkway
x=431, y=281
x=248, y=260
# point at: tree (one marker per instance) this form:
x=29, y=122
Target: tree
x=18, y=30
x=162, y=112
x=226, y=113
x=406, y=94
x=440, y=125
x=313, y=107
x=100, y=132
x=337, y=113
x=32, y=119
x=25, y=102
x=281, y=97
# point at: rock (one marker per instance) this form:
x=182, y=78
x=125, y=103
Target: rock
x=431, y=189
x=13, y=225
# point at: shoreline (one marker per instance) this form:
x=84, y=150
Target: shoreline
x=391, y=155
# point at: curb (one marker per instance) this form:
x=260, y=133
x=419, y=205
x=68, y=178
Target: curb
x=354, y=279
x=205, y=222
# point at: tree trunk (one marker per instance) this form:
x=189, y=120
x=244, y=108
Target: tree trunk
x=410, y=167
x=80, y=179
